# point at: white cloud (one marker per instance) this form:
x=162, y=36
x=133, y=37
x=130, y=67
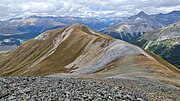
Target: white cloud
x=21, y=8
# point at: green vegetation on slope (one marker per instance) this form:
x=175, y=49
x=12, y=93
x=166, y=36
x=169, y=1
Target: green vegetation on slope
x=164, y=42
x=168, y=49
x=165, y=48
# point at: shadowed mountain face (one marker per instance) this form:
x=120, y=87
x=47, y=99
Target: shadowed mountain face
x=5, y=30
x=77, y=50
x=164, y=42
x=137, y=25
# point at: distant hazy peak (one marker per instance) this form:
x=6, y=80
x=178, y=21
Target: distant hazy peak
x=142, y=13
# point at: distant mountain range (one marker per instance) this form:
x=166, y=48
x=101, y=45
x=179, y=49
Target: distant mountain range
x=79, y=50
x=32, y=26
x=164, y=42
x=16, y=31
x=141, y=23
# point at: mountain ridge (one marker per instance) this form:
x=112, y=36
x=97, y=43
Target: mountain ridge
x=79, y=50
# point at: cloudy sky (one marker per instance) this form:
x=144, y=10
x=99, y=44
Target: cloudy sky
x=122, y=8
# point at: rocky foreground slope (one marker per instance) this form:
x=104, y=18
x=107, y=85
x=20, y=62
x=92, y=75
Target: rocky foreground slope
x=52, y=88
x=79, y=52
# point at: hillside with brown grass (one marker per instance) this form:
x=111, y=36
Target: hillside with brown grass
x=78, y=50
